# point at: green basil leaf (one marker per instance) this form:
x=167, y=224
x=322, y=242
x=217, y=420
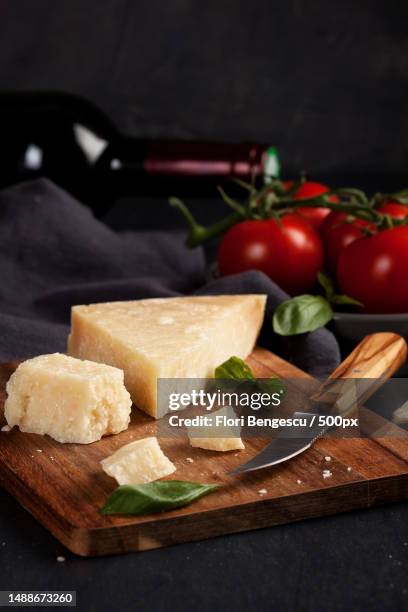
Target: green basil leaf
x=346, y=300
x=273, y=385
x=327, y=285
x=155, y=497
x=301, y=314
x=332, y=297
x=234, y=368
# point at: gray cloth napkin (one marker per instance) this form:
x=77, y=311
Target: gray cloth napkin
x=54, y=254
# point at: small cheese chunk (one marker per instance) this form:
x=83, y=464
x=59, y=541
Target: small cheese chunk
x=68, y=399
x=212, y=437
x=166, y=338
x=218, y=444
x=138, y=462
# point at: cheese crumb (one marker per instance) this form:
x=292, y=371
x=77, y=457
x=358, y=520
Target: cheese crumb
x=203, y=437
x=166, y=320
x=60, y=559
x=349, y=469
x=6, y=428
x=138, y=462
x=217, y=444
x=299, y=481
x=190, y=460
x=327, y=474
x=38, y=450
x=262, y=492
x=327, y=458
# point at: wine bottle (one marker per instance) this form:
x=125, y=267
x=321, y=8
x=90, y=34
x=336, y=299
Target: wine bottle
x=75, y=144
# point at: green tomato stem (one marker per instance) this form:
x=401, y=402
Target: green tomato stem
x=199, y=234
x=359, y=210
x=273, y=200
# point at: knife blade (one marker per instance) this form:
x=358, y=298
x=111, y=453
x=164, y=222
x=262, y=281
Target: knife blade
x=338, y=397
x=378, y=356
x=285, y=446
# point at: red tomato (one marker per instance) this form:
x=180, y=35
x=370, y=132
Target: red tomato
x=394, y=209
x=337, y=233
x=290, y=254
x=373, y=270
x=309, y=189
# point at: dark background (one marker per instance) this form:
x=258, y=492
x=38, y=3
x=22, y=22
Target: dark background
x=326, y=81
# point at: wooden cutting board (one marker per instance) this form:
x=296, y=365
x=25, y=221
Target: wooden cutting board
x=63, y=486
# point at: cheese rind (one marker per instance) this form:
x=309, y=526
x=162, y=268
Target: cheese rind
x=166, y=338
x=138, y=462
x=68, y=399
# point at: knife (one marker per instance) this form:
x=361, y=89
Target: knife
x=372, y=362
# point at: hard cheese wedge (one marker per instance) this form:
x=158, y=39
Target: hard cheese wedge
x=68, y=399
x=138, y=462
x=166, y=338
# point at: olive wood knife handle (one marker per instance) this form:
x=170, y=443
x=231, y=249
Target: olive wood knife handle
x=377, y=355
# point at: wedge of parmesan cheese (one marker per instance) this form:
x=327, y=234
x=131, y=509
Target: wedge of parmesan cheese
x=184, y=337
x=212, y=437
x=68, y=399
x=138, y=462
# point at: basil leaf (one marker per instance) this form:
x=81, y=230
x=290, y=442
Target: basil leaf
x=155, y=497
x=346, y=300
x=327, y=285
x=301, y=314
x=273, y=385
x=234, y=368
x=332, y=297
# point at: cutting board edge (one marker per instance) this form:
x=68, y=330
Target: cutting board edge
x=137, y=537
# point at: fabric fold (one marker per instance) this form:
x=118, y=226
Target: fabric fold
x=54, y=253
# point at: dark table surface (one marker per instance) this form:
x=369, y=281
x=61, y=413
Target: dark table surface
x=355, y=561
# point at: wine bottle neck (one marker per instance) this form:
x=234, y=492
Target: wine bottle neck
x=182, y=158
